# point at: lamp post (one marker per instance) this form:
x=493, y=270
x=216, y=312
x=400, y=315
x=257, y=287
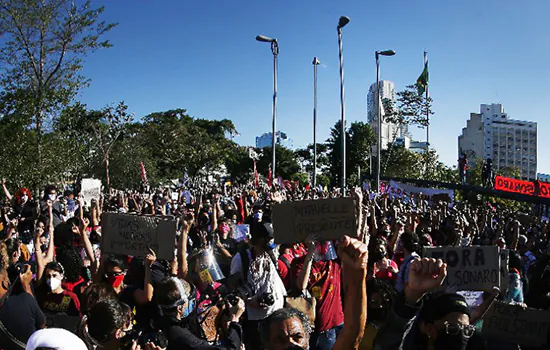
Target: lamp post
x=377, y=55
x=275, y=51
x=341, y=24
x=315, y=62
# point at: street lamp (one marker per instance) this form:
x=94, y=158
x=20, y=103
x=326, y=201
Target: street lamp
x=315, y=62
x=342, y=22
x=275, y=51
x=377, y=54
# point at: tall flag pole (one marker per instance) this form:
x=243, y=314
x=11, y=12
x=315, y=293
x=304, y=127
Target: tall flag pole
x=427, y=97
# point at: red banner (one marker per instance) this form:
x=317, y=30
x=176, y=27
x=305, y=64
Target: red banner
x=507, y=184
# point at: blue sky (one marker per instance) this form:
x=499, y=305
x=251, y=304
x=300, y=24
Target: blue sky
x=201, y=55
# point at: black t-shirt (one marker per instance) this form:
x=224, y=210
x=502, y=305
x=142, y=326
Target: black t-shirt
x=26, y=228
x=22, y=316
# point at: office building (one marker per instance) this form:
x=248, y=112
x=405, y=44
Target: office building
x=390, y=131
x=508, y=142
x=266, y=140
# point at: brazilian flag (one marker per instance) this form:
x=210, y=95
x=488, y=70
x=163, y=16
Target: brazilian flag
x=422, y=81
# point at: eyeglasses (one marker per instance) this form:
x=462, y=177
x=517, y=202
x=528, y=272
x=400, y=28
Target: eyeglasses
x=455, y=328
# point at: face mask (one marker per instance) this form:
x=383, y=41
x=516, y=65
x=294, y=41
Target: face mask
x=450, y=342
x=24, y=198
x=115, y=281
x=53, y=283
x=52, y=197
x=258, y=215
x=225, y=229
x=378, y=314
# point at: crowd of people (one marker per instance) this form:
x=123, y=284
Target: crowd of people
x=369, y=290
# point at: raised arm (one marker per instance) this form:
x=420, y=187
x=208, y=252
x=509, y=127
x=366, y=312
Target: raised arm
x=51, y=247
x=146, y=295
x=183, y=270
x=354, y=255
x=6, y=191
x=305, y=272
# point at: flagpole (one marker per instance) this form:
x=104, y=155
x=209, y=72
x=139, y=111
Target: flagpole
x=427, y=109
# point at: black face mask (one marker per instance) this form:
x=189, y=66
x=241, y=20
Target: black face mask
x=378, y=314
x=446, y=341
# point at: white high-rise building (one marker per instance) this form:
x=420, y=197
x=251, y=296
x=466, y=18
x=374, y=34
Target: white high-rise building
x=509, y=143
x=390, y=131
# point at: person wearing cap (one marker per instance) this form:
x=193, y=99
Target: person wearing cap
x=55, y=338
x=440, y=321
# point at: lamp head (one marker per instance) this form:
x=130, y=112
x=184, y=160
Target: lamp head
x=265, y=39
x=386, y=53
x=316, y=62
x=343, y=21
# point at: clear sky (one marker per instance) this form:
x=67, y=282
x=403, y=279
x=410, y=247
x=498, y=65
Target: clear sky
x=201, y=55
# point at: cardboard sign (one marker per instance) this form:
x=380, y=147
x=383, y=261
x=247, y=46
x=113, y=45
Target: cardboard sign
x=90, y=189
x=514, y=324
x=328, y=218
x=400, y=190
x=133, y=235
x=469, y=268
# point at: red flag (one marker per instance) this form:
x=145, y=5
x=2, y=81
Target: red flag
x=143, y=173
x=256, y=179
x=269, y=178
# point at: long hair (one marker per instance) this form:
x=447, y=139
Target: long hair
x=23, y=191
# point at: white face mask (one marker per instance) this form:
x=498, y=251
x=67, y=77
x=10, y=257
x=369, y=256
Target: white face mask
x=53, y=283
x=52, y=197
x=24, y=198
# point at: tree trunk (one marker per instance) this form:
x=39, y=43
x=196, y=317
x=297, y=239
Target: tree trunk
x=107, y=177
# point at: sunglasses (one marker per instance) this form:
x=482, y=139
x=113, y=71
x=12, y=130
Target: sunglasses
x=455, y=328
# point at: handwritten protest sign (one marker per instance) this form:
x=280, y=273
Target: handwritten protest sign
x=133, y=235
x=90, y=189
x=469, y=268
x=513, y=323
x=329, y=218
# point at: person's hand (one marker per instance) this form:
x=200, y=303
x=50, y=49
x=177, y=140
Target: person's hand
x=150, y=258
x=353, y=253
x=26, y=276
x=237, y=310
x=85, y=222
x=424, y=276
x=151, y=346
x=310, y=242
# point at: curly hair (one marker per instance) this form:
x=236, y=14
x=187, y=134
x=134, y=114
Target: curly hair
x=95, y=294
x=71, y=259
x=280, y=316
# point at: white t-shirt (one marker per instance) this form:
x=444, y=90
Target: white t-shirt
x=264, y=278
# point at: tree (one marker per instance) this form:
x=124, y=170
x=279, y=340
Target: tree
x=239, y=164
x=42, y=54
x=287, y=164
x=359, y=140
x=411, y=108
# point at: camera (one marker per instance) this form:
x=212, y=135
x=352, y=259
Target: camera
x=156, y=337
x=266, y=299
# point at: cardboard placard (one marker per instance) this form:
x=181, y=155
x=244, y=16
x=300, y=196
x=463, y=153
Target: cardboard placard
x=90, y=189
x=330, y=219
x=469, y=268
x=514, y=324
x=132, y=235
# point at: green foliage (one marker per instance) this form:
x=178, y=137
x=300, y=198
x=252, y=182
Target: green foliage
x=287, y=164
x=303, y=178
x=411, y=108
x=404, y=163
x=359, y=140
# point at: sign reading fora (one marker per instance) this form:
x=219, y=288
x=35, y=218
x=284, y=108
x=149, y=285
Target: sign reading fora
x=133, y=235
x=517, y=325
x=328, y=218
x=469, y=268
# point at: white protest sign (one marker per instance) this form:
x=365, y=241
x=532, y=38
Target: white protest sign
x=133, y=235
x=473, y=298
x=401, y=190
x=330, y=219
x=469, y=268
x=514, y=324
x=187, y=196
x=90, y=189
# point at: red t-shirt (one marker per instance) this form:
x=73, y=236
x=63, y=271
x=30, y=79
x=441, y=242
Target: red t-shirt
x=283, y=269
x=325, y=285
